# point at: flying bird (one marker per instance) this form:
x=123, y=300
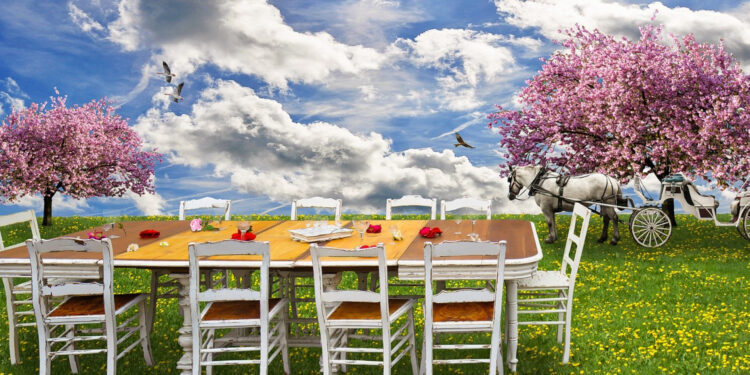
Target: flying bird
x=167, y=73
x=461, y=142
x=175, y=94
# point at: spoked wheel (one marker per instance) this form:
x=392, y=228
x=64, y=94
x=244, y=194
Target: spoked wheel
x=744, y=225
x=650, y=227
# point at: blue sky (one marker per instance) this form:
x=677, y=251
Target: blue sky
x=284, y=99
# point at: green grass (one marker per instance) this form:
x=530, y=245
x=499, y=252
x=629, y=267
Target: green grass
x=682, y=308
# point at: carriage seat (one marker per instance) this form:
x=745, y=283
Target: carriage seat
x=695, y=198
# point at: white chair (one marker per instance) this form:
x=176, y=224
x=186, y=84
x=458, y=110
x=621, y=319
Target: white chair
x=236, y=308
x=551, y=292
x=18, y=289
x=463, y=310
x=206, y=202
x=485, y=206
x=168, y=288
x=89, y=300
x=411, y=201
x=317, y=202
x=341, y=312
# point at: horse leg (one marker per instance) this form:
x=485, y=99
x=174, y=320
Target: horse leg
x=605, y=228
x=549, y=214
x=615, y=227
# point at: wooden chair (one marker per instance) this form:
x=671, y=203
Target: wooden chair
x=485, y=206
x=463, y=310
x=18, y=300
x=90, y=300
x=206, y=202
x=411, y=201
x=168, y=288
x=551, y=292
x=341, y=312
x=236, y=308
x=317, y=202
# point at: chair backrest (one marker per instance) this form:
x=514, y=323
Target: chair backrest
x=206, y=202
x=324, y=298
x=20, y=217
x=316, y=202
x=411, y=201
x=447, y=252
x=570, y=264
x=484, y=206
x=198, y=251
x=44, y=285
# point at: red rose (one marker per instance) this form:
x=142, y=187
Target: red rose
x=374, y=229
x=149, y=233
x=428, y=232
x=249, y=236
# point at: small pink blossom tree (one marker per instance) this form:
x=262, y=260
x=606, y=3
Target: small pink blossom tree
x=625, y=107
x=82, y=151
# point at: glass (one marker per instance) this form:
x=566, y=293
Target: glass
x=108, y=227
x=473, y=234
x=361, y=227
x=458, y=223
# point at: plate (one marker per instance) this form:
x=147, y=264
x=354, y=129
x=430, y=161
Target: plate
x=318, y=234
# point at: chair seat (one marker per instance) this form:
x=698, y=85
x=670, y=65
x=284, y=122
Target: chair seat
x=365, y=310
x=237, y=310
x=463, y=312
x=545, y=280
x=91, y=305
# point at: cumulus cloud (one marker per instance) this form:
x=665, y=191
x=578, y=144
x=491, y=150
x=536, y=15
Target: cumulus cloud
x=263, y=151
x=59, y=202
x=148, y=204
x=248, y=37
x=464, y=59
x=622, y=19
x=11, y=95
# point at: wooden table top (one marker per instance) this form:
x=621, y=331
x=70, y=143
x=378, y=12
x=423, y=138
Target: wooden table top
x=520, y=235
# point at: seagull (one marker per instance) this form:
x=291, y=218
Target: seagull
x=167, y=73
x=175, y=94
x=461, y=142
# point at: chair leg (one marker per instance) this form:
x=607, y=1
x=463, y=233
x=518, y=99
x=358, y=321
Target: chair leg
x=210, y=356
x=422, y=366
x=12, y=320
x=325, y=363
x=264, y=340
x=73, y=359
x=560, y=318
x=413, y=344
x=344, y=342
x=568, y=318
x=427, y=353
x=144, y=332
x=284, y=343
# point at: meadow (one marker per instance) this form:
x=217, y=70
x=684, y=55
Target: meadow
x=679, y=309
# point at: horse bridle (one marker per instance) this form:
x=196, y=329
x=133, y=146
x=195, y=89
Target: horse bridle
x=533, y=187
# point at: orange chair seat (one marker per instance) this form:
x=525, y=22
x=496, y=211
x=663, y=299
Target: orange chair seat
x=89, y=305
x=463, y=312
x=237, y=310
x=364, y=310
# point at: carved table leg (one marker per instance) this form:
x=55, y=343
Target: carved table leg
x=511, y=288
x=185, y=364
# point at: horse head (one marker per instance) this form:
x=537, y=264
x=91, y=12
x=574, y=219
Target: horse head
x=520, y=178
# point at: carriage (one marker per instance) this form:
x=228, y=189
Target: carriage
x=650, y=226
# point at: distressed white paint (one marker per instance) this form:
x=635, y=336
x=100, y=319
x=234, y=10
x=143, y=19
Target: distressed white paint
x=206, y=202
x=484, y=206
x=317, y=202
x=411, y=201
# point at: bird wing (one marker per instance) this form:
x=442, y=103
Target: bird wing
x=167, y=71
x=179, y=88
x=461, y=141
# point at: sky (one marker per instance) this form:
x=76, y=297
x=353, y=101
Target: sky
x=353, y=99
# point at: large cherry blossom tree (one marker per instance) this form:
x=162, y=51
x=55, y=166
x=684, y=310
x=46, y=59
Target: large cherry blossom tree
x=623, y=107
x=81, y=151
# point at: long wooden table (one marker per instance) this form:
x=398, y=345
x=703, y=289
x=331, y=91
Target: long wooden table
x=405, y=256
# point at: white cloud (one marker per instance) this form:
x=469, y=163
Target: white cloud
x=12, y=95
x=59, y=202
x=621, y=19
x=464, y=59
x=255, y=142
x=248, y=37
x=148, y=204
x=83, y=20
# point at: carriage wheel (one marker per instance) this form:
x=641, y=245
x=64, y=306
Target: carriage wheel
x=744, y=224
x=650, y=227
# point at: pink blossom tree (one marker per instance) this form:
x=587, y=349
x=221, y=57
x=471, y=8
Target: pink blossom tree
x=81, y=151
x=625, y=107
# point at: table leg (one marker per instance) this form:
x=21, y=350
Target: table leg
x=511, y=288
x=185, y=364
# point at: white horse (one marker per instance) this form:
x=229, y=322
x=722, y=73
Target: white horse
x=545, y=186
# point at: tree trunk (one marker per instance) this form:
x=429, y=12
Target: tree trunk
x=47, y=210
